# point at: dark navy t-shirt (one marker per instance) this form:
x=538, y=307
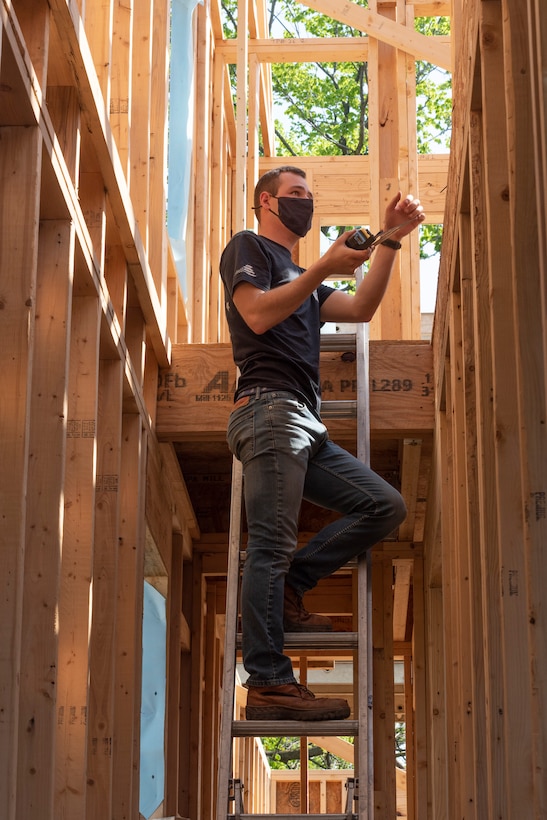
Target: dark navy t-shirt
x=286, y=357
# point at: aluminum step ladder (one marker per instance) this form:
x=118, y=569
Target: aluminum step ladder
x=359, y=799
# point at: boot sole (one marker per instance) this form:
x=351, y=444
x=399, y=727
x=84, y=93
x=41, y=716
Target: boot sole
x=288, y=713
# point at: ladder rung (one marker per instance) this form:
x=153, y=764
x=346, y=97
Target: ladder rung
x=334, y=342
x=330, y=641
x=344, y=816
x=295, y=728
x=339, y=409
x=321, y=640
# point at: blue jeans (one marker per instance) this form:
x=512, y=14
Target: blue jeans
x=286, y=456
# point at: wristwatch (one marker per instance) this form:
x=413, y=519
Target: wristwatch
x=391, y=243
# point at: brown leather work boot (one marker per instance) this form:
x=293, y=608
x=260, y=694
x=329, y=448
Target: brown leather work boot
x=296, y=617
x=292, y=701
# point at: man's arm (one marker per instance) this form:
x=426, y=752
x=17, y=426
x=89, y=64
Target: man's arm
x=361, y=307
x=262, y=310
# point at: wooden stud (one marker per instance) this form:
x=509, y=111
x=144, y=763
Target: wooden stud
x=99, y=779
x=240, y=200
x=139, y=146
x=410, y=796
x=129, y=609
x=489, y=526
x=62, y=103
x=121, y=92
x=477, y=710
x=451, y=657
x=416, y=702
x=384, y=171
x=219, y=235
x=529, y=297
x=157, y=244
x=98, y=20
x=93, y=202
x=401, y=596
x=135, y=339
x=383, y=686
x=44, y=515
x=172, y=725
x=514, y=608
x=192, y=694
x=33, y=17
x=198, y=297
x=115, y=274
x=77, y=557
x=458, y=569
x=211, y=695
x=19, y=171
x=436, y=795
x=410, y=470
x=159, y=515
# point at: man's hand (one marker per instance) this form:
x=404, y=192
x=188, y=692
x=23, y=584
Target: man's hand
x=343, y=260
x=400, y=210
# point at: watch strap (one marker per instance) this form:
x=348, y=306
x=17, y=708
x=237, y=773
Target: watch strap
x=391, y=243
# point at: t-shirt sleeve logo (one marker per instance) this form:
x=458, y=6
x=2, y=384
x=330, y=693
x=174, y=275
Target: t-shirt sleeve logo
x=247, y=270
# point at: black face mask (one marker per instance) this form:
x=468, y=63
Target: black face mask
x=295, y=213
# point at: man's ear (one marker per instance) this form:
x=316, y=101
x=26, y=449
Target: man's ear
x=265, y=198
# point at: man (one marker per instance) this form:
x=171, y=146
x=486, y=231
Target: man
x=275, y=310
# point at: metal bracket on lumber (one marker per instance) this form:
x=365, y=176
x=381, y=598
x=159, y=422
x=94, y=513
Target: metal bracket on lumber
x=351, y=788
x=236, y=794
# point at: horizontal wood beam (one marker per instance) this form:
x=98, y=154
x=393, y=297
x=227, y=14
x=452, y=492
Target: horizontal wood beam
x=300, y=49
x=431, y=8
x=341, y=186
x=313, y=49
x=195, y=394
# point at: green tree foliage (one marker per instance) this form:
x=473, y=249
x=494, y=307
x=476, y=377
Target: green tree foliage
x=284, y=753
x=325, y=105
x=322, y=108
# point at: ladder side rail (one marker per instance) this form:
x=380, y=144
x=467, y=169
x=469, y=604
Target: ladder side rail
x=364, y=587
x=230, y=630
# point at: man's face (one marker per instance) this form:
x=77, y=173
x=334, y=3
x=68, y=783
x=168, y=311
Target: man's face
x=288, y=213
x=293, y=185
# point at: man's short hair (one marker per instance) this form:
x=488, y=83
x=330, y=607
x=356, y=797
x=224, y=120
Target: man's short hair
x=270, y=182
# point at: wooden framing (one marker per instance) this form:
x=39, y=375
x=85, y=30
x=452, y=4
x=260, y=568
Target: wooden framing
x=107, y=480
x=481, y=348
x=85, y=327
